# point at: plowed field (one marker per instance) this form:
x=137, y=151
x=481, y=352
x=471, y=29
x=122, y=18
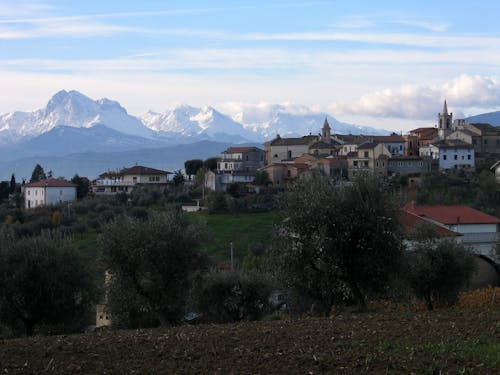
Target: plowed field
x=443, y=341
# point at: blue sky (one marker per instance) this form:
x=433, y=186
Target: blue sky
x=383, y=63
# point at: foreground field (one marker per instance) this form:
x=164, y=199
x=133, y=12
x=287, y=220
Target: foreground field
x=445, y=341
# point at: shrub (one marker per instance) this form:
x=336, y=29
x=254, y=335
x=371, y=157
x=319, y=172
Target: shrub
x=230, y=297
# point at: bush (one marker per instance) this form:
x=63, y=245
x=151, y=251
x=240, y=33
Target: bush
x=152, y=263
x=230, y=297
x=43, y=282
x=138, y=213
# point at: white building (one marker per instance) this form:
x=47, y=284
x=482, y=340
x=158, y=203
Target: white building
x=47, y=192
x=126, y=179
x=451, y=154
x=479, y=230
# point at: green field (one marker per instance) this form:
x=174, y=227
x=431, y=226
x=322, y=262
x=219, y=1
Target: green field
x=242, y=230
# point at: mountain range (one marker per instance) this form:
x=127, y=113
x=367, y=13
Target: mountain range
x=72, y=123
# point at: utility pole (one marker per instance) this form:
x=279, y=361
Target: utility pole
x=232, y=257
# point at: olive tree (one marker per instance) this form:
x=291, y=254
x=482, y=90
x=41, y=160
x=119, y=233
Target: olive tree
x=152, y=264
x=43, y=281
x=337, y=240
x=437, y=267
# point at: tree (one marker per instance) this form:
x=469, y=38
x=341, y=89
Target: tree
x=336, y=240
x=262, y=178
x=210, y=164
x=152, y=264
x=38, y=174
x=4, y=190
x=82, y=186
x=192, y=166
x=43, y=281
x=437, y=268
x=178, y=178
x=13, y=185
x=230, y=297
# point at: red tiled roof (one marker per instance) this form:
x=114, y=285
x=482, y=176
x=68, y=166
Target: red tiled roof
x=137, y=169
x=410, y=220
x=238, y=150
x=450, y=215
x=50, y=182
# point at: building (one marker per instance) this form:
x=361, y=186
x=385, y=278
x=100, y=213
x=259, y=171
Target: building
x=350, y=143
x=281, y=173
x=326, y=145
x=450, y=154
x=479, y=230
x=496, y=169
x=445, y=123
x=409, y=165
x=418, y=138
x=247, y=159
x=280, y=149
x=124, y=180
x=48, y=192
x=235, y=165
x=370, y=157
x=395, y=144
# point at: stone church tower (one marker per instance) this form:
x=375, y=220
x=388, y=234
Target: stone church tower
x=445, y=123
x=325, y=132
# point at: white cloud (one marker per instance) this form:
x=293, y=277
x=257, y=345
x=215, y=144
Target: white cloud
x=424, y=101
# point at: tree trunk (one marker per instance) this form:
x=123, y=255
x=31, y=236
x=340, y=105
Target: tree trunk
x=359, y=296
x=428, y=300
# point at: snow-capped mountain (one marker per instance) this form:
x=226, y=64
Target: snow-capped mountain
x=71, y=109
x=268, y=120
x=198, y=123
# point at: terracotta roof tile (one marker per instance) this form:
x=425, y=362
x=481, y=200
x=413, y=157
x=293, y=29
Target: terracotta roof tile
x=410, y=220
x=450, y=215
x=50, y=182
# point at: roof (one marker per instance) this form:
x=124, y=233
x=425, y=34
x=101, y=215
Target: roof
x=305, y=140
x=410, y=220
x=495, y=164
x=50, y=182
x=351, y=139
x=388, y=138
x=323, y=144
x=409, y=157
x=484, y=127
x=450, y=215
x=425, y=133
x=367, y=145
x=239, y=150
x=468, y=132
x=137, y=169
x=452, y=143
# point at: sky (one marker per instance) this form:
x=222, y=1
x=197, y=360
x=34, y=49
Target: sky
x=388, y=64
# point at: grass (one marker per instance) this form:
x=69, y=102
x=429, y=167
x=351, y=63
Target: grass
x=485, y=350
x=242, y=230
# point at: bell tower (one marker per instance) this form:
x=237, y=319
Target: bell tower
x=325, y=132
x=445, y=122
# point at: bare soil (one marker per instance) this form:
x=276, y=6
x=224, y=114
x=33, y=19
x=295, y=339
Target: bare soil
x=448, y=341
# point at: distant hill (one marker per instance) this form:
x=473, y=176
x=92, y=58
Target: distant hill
x=91, y=164
x=492, y=118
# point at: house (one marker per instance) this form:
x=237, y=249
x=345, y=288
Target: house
x=419, y=137
x=281, y=173
x=49, y=191
x=235, y=165
x=409, y=165
x=450, y=154
x=489, y=138
x=370, y=157
x=280, y=149
x=479, y=230
x=247, y=159
x=395, y=144
x=349, y=143
x=124, y=180
x=486, y=272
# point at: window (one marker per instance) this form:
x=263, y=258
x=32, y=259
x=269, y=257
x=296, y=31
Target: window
x=29, y=191
x=246, y=157
x=289, y=154
x=485, y=141
x=463, y=157
x=400, y=147
x=456, y=157
x=36, y=192
x=366, y=154
x=355, y=163
x=444, y=157
x=377, y=163
x=468, y=157
x=365, y=164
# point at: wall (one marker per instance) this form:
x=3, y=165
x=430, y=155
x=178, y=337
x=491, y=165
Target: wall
x=34, y=197
x=56, y=195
